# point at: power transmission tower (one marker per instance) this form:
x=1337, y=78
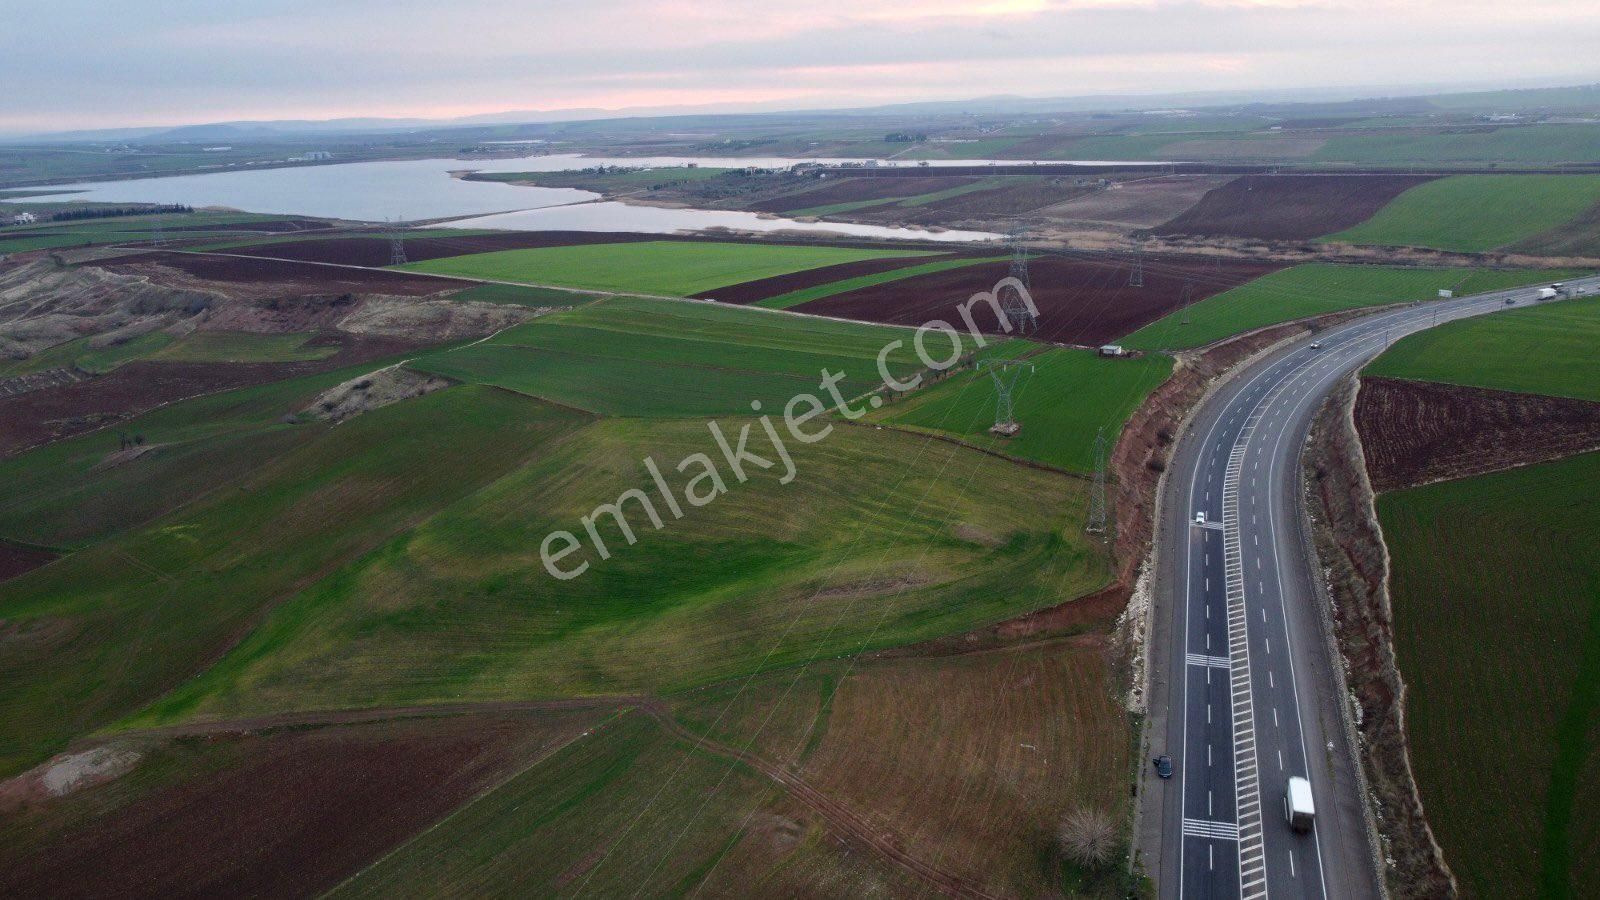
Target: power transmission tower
x=1185, y=299
x=1097, y=493
x=1011, y=303
x=1005, y=373
x=1136, y=277
x=158, y=234
x=397, y=246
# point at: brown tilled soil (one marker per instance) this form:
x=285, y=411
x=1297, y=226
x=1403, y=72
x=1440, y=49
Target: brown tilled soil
x=286, y=814
x=278, y=226
x=761, y=289
x=250, y=278
x=850, y=190
x=1080, y=301
x=51, y=414
x=1414, y=432
x=1289, y=207
x=1350, y=548
x=14, y=559
x=1138, y=203
x=374, y=251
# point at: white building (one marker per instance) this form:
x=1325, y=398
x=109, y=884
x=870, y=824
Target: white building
x=26, y=218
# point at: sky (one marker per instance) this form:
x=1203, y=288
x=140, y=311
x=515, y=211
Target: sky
x=71, y=64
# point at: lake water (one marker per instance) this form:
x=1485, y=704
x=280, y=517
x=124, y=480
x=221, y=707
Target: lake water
x=425, y=189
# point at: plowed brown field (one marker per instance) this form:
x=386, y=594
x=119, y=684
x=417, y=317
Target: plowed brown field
x=274, y=277
x=1414, y=432
x=1289, y=207
x=286, y=814
x=1081, y=300
x=761, y=289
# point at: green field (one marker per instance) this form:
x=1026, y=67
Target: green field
x=630, y=809
x=1062, y=402
x=1314, y=289
x=101, y=632
x=634, y=356
x=861, y=550
x=805, y=295
x=672, y=268
x=1496, y=596
x=1473, y=213
x=908, y=202
x=66, y=494
x=1549, y=348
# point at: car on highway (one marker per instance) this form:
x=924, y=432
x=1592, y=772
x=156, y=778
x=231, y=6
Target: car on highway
x=1163, y=764
x=1200, y=517
x=1316, y=345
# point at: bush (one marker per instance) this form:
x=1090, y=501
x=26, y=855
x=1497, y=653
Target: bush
x=1088, y=836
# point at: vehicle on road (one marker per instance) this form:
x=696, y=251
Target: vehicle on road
x=1316, y=345
x=1298, y=809
x=1163, y=764
x=1511, y=301
x=1200, y=517
x=1549, y=293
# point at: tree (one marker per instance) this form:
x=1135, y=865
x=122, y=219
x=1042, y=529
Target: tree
x=1088, y=836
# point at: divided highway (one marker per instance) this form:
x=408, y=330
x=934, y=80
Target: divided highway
x=1244, y=693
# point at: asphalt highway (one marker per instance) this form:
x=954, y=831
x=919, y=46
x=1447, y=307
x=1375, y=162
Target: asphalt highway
x=1244, y=692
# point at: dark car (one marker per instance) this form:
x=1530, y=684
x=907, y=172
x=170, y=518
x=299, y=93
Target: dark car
x=1163, y=766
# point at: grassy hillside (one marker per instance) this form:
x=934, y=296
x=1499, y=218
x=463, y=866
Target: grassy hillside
x=72, y=492
x=1496, y=592
x=101, y=632
x=673, y=268
x=633, y=356
x=1061, y=402
x=881, y=539
x=1476, y=212
x=1550, y=348
x=1313, y=289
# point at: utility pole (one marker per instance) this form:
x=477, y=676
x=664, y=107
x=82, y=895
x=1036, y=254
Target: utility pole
x=1136, y=277
x=1097, y=492
x=1005, y=373
x=397, y=245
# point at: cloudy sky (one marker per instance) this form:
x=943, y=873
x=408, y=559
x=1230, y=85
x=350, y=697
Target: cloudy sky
x=82, y=64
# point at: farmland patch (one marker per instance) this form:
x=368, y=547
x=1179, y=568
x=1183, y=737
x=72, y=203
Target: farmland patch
x=1289, y=207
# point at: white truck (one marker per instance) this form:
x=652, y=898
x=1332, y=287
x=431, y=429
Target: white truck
x=1548, y=293
x=1298, y=809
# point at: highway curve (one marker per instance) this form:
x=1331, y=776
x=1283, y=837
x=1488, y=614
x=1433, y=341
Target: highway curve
x=1243, y=690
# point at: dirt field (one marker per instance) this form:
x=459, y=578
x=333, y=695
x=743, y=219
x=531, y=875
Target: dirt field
x=1141, y=203
x=850, y=190
x=15, y=560
x=290, y=813
x=1415, y=432
x=374, y=251
x=1081, y=300
x=54, y=413
x=1289, y=207
x=761, y=289
x=272, y=277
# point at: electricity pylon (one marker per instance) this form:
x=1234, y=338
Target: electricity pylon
x=1097, y=493
x=1005, y=373
x=397, y=245
x=1011, y=303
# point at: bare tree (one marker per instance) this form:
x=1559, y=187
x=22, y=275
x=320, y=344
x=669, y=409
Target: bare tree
x=1088, y=835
